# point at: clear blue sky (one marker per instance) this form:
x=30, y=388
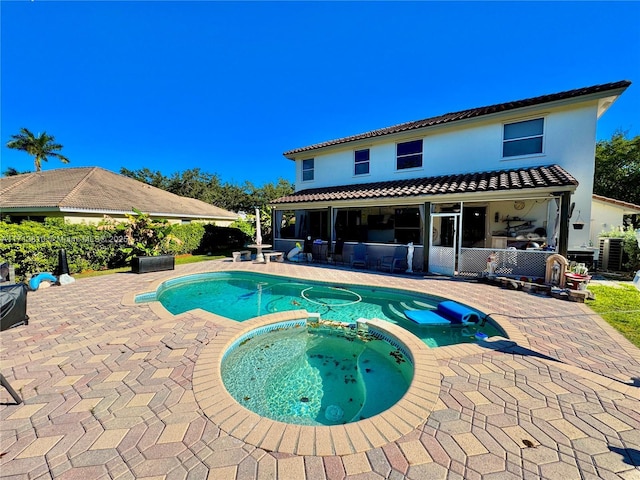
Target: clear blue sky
x=228, y=87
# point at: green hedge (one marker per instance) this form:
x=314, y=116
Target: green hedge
x=189, y=236
x=33, y=247
x=629, y=245
x=222, y=239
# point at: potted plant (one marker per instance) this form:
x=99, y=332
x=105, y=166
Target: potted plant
x=578, y=224
x=147, y=242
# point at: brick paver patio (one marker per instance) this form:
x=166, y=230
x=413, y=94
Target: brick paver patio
x=108, y=394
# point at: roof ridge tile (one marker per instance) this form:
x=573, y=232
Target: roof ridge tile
x=468, y=113
x=72, y=193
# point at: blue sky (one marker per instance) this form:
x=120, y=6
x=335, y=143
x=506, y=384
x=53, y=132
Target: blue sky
x=228, y=87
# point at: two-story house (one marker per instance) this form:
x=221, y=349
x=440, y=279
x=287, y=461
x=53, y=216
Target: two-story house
x=512, y=180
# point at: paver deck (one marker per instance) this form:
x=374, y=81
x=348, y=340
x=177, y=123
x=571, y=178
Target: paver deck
x=108, y=391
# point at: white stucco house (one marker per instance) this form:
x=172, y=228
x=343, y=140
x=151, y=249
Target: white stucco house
x=508, y=180
x=608, y=214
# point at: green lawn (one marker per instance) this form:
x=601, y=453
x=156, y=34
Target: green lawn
x=616, y=305
x=180, y=260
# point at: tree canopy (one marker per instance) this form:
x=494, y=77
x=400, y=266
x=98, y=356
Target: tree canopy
x=617, y=172
x=41, y=146
x=207, y=187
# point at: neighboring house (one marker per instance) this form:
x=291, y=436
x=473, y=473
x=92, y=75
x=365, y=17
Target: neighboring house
x=608, y=214
x=87, y=194
x=460, y=186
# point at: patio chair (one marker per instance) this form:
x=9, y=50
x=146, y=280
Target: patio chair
x=359, y=257
x=337, y=251
x=396, y=261
x=319, y=251
x=307, y=249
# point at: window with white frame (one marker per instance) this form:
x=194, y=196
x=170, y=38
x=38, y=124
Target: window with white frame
x=523, y=138
x=307, y=169
x=361, y=162
x=409, y=154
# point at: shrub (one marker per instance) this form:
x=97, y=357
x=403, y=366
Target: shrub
x=33, y=247
x=222, y=239
x=189, y=238
x=245, y=226
x=144, y=235
x=629, y=246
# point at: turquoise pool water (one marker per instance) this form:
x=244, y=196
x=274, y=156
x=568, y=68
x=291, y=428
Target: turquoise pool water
x=241, y=296
x=316, y=375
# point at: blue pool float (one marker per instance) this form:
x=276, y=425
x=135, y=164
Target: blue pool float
x=446, y=313
x=35, y=281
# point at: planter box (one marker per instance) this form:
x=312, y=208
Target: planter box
x=152, y=264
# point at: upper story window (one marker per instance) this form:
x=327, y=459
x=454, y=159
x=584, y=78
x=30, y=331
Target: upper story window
x=523, y=138
x=361, y=162
x=409, y=154
x=307, y=169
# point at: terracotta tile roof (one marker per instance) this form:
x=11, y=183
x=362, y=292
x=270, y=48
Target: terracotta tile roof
x=466, y=114
x=97, y=189
x=626, y=205
x=552, y=176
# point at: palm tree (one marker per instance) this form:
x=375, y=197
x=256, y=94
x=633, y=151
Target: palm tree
x=10, y=172
x=41, y=146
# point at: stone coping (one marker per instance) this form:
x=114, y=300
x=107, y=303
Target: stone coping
x=450, y=351
x=411, y=411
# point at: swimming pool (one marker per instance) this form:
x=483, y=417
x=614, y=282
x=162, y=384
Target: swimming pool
x=244, y=295
x=317, y=374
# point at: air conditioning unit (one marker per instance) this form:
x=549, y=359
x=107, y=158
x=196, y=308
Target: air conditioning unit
x=611, y=253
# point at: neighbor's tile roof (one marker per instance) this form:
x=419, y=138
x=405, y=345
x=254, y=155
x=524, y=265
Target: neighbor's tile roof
x=97, y=189
x=466, y=114
x=619, y=203
x=552, y=176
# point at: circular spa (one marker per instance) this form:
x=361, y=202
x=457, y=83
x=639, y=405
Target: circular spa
x=317, y=373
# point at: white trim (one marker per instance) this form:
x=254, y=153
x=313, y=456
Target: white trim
x=397, y=157
x=312, y=170
x=355, y=163
x=44, y=210
x=542, y=153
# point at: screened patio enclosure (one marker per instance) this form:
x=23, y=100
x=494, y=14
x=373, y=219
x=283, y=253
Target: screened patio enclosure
x=450, y=238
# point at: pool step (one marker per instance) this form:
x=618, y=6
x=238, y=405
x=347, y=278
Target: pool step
x=392, y=312
x=420, y=305
x=409, y=306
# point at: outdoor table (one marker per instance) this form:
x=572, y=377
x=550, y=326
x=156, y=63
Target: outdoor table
x=259, y=254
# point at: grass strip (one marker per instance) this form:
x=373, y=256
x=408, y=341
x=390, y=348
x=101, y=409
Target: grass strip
x=180, y=260
x=620, y=306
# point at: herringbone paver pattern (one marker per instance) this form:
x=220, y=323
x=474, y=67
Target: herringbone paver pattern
x=108, y=394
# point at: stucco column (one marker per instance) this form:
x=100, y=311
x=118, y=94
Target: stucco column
x=426, y=235
x=563, y=240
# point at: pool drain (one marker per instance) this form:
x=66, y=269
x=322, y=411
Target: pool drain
x=334, y=413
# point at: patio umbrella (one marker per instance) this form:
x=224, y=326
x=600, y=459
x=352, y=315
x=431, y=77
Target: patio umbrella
x=556, y=227
x=258, y=231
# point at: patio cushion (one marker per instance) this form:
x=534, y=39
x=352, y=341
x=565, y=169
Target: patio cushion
x=447, y=312
x=426, y=317
x=457, y=313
